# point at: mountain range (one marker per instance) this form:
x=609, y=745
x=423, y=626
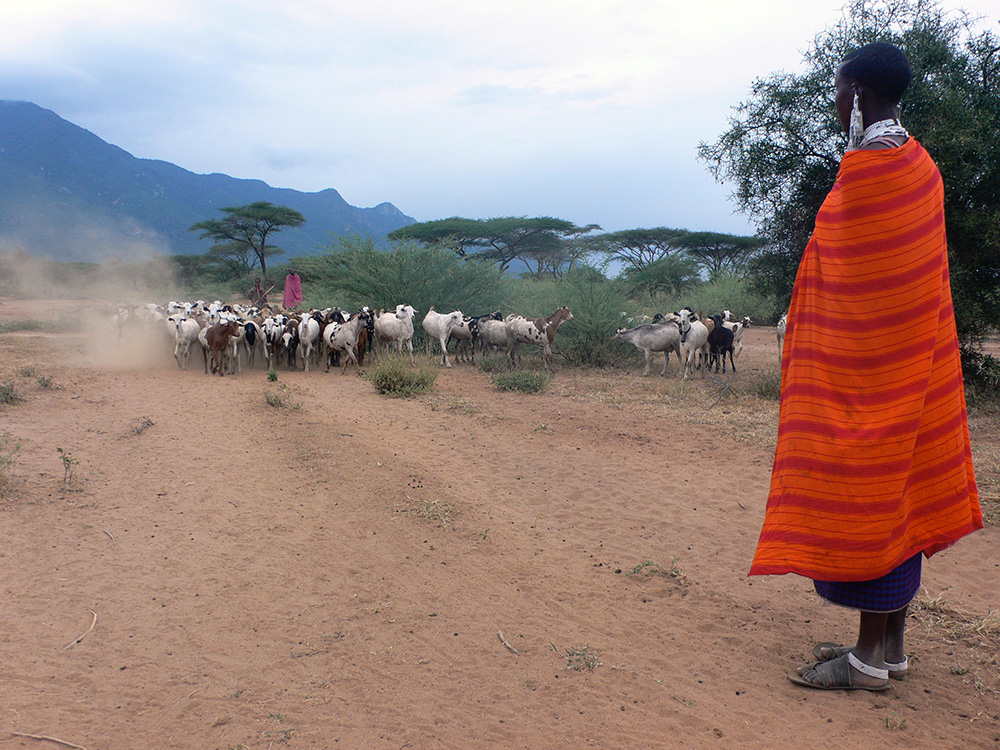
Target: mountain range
x=67, y=195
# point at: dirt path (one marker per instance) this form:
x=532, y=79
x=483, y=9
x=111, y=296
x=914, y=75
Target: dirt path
x=335, y=575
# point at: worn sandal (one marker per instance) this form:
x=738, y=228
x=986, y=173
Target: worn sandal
x=826, y=651
x=835, y=674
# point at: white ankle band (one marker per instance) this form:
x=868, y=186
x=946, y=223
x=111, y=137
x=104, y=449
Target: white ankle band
x=878, y=674
x=901, y=667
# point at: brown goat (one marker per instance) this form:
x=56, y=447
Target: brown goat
x=218, y=337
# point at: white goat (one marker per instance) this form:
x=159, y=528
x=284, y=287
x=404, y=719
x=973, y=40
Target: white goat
x=439, y=326
x=397, y=327
x=694, y=341
x=780, y=328
x=185, y=333
x=343, y=337
x=738, y=328
x=309, y=333
x=663, y=337
x=493, y=334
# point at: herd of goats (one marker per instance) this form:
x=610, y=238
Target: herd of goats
x=228, y=334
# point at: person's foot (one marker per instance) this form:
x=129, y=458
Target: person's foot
x=897, y=666
x=845, y=672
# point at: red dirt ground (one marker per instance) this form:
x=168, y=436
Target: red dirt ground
x=335, y=575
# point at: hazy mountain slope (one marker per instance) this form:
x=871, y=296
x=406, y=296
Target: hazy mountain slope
x=68, y=195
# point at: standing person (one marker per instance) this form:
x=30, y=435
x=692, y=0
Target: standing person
x=257, y=295
x=293, y=290
x=873, y=467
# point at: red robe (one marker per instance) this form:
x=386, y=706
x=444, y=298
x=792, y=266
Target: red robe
x=873, y=463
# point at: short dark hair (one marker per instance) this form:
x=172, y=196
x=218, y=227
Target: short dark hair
x=881, y=67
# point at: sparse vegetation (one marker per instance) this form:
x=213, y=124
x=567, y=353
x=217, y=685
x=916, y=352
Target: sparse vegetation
x=144, y=424
x=580, y=657
x=26, y=372
x=272, y=375
x=13, y=326
x=436, y=511
x=9, y=393
x=63, y=325
x=521, y=381
x=279, y=399
x=454, y=404
x=493, y=363
x=69, y=462
x=767, y=386
x=654, y=568
x=396, y=378
x=978, y=634
x=9, y=450
x=45, y=381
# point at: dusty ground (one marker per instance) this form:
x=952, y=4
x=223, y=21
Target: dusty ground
x=239, y=575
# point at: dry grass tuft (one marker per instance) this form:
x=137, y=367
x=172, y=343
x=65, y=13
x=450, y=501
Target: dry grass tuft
x=454, y=404
x=649, y=567
x=9, y=450
x=980, y=634
x=436, y=511
x=580, y=657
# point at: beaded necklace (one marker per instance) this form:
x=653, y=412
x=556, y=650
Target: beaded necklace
x=882, y=132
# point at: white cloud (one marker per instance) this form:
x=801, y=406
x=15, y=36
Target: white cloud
x=590, y=109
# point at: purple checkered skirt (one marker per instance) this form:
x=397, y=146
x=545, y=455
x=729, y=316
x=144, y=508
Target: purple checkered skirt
x=890, y=593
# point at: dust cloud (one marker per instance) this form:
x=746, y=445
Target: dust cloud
x=80, y=305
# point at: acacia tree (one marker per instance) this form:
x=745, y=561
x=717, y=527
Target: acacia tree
x=783, y=146
x=241, y=236
x=639, y=248
x=719, y=253
x=672, y=274
x=501, y=240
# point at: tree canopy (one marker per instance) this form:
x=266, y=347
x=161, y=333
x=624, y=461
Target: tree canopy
x=502, y=240
x=784, y=143
x=241, y=236
x=719, y=253
x=639, y=248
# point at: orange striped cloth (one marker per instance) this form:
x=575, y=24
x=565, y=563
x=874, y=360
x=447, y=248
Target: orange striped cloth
x=873, y=462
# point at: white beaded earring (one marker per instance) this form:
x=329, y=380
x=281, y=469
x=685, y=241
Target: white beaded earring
x=856, y=132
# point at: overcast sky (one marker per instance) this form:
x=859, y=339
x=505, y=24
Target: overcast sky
x=590, y=110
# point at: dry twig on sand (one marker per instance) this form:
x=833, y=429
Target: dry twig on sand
x=80, y=638
x=47, y=738
x=505, y=642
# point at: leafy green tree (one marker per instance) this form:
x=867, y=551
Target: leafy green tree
x=783, y=146
x=672, y=274
x=638, y=248
x=719, y=253
x=501, y=240
x=241, y=236
x=356, y=272
x=598, y=305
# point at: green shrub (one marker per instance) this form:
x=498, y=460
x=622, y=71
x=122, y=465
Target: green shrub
x=22, y=325
x=723, y=293
x=597, y=304
x=397, y=378
x=522, y=381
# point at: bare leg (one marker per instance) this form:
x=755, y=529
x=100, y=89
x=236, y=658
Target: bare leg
x=895, y=631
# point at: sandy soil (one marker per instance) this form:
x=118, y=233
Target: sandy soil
x=238, y=575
